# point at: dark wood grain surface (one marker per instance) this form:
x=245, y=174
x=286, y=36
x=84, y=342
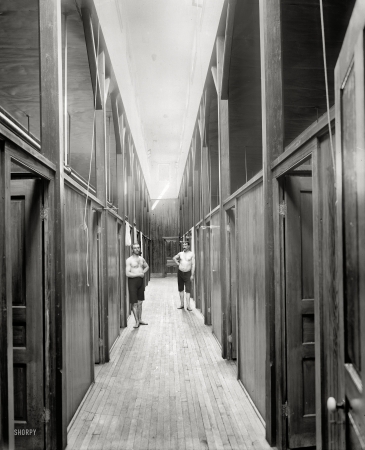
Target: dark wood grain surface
x=251, y=295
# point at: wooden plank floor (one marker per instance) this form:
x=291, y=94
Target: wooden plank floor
x=166, y=387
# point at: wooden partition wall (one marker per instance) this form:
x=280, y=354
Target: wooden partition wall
x=79, y=314
x=250, y=294
x=288, y=271
x=81, y=266
x=114, y=297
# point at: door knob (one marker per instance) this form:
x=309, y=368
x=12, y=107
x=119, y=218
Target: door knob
x=333, y=406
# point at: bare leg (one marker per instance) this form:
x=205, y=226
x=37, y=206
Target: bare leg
x=188, y=301
x=135, y=313
x=140, y=313
x=181, y=300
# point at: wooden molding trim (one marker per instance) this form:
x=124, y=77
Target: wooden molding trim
x=18, y=130
x=91, y=53
x=229, y=202
x=212, y=212
x=315, y=129
x=227, y=48
x=29, y=158
x=295, y=158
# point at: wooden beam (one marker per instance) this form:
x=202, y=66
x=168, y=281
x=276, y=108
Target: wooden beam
x=223, y=129
x=50, y=26
x=118, y=126
x=208, y=99
x=227, y=48
x=205, y=181
x=120, y=185
x=133, y=181
x=224, y=192
x=215, y=77
x=102, y=192
x=92, y=55
x=273, y=144
x=107, y=86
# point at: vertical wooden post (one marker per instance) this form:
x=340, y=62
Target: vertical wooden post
x=133, y=185
x=119, y=136
x=272, y=141
x=50, y=23
x=224, y=192
x=136, y=195
x=6, y=322
x=205, y=182
x=101, y=188
x=205, y=211
x=195, y=202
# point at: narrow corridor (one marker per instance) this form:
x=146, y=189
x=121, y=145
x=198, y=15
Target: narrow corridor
x=166, y=387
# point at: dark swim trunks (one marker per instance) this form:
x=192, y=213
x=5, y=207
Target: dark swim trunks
x=184, y=278
x=136, y=289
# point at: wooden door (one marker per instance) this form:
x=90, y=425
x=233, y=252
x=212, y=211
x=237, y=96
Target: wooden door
x=350, y=186
x=27, y=300
x=96, y=285
x=300, y=313
x=200, y=267
x=231, y=247
x=207, y=275
x=122, y=308
x=197, y=283
x=216, y=297
x=128, y=253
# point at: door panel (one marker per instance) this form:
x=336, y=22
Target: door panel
x=216, y=299
x=231, y=245
x=350, y=173
x=200, y=267
x=300, y=312
x=207, y=275
x=27, y=294
x=96, y=293
x=123, y=318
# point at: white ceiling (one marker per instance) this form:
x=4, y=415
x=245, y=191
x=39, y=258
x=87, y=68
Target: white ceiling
x=160, y=51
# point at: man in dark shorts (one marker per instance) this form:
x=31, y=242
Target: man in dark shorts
x=186, y=262
x=136, y=267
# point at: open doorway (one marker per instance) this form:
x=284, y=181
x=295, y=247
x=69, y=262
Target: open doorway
x=232, y=286
x=297, y=250
x=96, y=284
x=28, y=306
x=206, y=269
x=121, y=281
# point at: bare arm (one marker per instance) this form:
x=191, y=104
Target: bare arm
x=145, y=266
x=176, y=258
x=192, y=266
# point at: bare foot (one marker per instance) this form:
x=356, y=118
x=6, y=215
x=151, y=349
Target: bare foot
x=136, y=325
x=188, y=308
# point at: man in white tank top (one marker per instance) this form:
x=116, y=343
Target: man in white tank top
x=186, y=262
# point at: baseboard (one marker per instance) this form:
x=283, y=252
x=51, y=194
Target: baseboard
x=161, y=275
x=74, y=417
x=116, y=340
x=215, y=337
x=252, y=404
